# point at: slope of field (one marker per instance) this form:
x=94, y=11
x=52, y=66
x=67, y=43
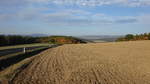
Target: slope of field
x=100, y=63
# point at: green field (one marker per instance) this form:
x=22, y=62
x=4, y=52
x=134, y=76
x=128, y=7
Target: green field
x=24, y=45
x=19, y=53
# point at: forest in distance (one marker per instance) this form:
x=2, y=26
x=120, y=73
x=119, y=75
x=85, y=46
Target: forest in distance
x=132, y=37
x=6, y=40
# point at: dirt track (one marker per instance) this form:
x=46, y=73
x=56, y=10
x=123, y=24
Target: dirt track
x=103, y=63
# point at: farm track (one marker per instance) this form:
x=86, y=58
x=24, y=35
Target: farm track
x=101, y=63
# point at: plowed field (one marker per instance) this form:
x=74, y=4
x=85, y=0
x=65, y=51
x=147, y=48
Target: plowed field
x=99, y=63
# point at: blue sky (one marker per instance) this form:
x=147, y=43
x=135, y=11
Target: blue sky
x=74, y=17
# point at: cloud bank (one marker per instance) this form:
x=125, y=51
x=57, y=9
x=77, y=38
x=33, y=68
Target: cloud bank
x=29, y=11
x=73, y=17
x=132, y=3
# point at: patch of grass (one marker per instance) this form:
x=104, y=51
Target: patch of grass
x=19, y=53
x=25, y=45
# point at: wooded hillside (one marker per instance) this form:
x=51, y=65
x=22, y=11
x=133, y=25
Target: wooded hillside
x=6, y=40
x=131, y=37
x=60, y=40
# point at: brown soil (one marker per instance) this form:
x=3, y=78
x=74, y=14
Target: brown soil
x=100, y=63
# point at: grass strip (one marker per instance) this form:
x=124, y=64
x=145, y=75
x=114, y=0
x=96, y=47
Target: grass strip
x=24, y=45
x=14, y=58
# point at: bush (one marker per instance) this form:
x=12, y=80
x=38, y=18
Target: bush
x=129, y=37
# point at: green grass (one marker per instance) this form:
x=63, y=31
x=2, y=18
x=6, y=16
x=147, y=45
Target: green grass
x=19, y=53
x=24, y=45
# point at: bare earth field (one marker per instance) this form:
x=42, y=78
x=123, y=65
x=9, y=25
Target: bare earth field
x=100, y=63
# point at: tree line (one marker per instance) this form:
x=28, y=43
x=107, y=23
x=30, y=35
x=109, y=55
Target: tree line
x=132, y=37
x=6, y=40
x=16, y=39
x=60, y=40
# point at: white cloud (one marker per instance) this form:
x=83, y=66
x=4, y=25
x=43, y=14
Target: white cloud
x=86, y=18
x=70, y=16
x=132, y=3
x=96, y=2
x=78, y=17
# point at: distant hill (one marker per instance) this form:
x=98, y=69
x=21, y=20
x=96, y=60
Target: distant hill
x=38, y=35
x=6, y=40
x=60, y=40
x=100, y=38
